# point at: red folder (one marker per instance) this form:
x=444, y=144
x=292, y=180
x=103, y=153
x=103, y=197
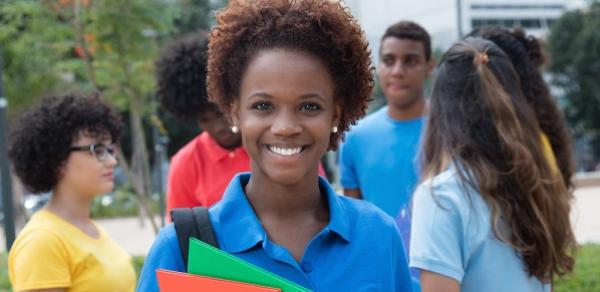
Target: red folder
x=170, y=281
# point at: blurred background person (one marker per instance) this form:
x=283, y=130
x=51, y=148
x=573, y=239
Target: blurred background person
x=378, y=160
x=67, y=145
x=201, y=170
x=491, y=203
x=527, y=56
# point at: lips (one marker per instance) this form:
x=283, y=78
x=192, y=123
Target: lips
x=398, y=86
x=108, y=175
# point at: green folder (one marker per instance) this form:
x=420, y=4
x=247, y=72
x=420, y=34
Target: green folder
x=205, y=260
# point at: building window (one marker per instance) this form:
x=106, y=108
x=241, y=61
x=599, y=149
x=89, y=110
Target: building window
x=517, y=6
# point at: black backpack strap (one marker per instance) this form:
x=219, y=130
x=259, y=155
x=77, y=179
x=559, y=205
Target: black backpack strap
x=192, y=222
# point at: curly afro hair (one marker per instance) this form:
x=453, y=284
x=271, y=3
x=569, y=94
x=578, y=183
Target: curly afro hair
x=527, y=56
x=181, y=77
x=321, y=28
x=39, y=144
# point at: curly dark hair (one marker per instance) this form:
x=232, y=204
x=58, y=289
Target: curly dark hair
x=321, y=28
x=39, y=144
x=527, y=56
x=412, y=31
x=181, y=76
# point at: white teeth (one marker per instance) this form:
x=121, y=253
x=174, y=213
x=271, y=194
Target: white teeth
x=285, y=151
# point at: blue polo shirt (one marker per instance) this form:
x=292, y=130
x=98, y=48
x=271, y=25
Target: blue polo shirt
x=359, y=250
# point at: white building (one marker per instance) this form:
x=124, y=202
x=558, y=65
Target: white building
x=441, y=17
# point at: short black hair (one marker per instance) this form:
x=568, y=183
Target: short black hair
x=181, y=76
x=39, y=143
x=412, y=31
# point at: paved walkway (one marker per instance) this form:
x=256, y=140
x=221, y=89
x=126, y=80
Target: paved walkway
x=137, y=239
x=586, y=222
x=585, y=215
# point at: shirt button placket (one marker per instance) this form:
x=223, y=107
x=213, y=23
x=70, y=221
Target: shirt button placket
x=306, y=267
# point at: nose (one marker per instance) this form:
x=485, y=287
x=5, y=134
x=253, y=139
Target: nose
x=111, y=159
x=398, y=69
x=286, y=123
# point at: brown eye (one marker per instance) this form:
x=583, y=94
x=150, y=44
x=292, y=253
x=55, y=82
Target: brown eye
x=311, y=107
x=261, y=106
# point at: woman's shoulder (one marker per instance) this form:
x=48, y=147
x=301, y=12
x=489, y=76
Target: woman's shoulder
x=445, y=186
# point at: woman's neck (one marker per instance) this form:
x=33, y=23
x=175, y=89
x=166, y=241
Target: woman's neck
x=70, y=205
x=269, y=198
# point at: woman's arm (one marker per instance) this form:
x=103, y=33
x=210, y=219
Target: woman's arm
x=433, y=282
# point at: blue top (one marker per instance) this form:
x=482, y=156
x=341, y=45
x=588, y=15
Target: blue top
x=379, y=158
x=452, y=235
x=359, y=250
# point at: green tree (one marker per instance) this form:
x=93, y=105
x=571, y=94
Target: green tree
x=108, y=46
x=574, y=46
x=36, y=49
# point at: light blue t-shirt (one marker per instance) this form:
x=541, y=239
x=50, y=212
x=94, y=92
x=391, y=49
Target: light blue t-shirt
x=359, y=250
x=379, y=158
x=452, y=235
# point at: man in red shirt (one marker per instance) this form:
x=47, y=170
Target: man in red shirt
x=201, y=170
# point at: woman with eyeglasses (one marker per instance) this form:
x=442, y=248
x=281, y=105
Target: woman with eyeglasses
x=67, y=146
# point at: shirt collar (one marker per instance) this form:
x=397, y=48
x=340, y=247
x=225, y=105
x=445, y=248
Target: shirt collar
x=216, y=153
x=238, y=226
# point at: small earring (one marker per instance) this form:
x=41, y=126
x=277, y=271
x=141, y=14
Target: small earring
x=334, y=129
x=235, y=129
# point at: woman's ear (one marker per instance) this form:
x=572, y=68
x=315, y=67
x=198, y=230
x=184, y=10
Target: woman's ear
x=234, y=113
x=337, y=115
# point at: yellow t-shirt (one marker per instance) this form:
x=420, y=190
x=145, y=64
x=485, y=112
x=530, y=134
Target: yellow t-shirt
x=549, y=153
x=52, y=253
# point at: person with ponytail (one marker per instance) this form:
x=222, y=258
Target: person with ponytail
x=527, y=56
x=491, y=213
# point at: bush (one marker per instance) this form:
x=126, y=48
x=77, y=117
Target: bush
x=120, y=203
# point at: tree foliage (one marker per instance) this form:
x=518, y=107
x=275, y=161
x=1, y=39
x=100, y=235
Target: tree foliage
x=36, y=45
x=574, y=46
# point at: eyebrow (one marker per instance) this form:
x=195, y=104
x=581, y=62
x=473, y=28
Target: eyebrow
x=304, y=96
x=391, y=54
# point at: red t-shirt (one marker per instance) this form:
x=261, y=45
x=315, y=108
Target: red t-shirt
x=201, y=171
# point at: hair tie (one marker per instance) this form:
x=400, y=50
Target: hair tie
x=480, y=58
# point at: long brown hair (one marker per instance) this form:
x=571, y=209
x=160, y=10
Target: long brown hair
x=527, y=56
x=479, y=120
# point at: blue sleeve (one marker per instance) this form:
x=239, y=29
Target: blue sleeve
x=403, y=279
x=164, y=254
x=348, y=177
x=438, y=234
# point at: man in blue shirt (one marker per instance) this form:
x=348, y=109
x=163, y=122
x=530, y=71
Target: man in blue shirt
x=339, y=258
x=378, y=161
x=379, y=157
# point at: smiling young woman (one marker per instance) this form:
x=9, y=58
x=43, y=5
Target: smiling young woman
x=67, y=146
x=292, y=76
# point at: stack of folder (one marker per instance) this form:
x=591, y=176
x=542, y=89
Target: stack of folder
x=211, y=269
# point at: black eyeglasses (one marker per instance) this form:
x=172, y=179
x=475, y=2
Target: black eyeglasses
x=100, y=151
